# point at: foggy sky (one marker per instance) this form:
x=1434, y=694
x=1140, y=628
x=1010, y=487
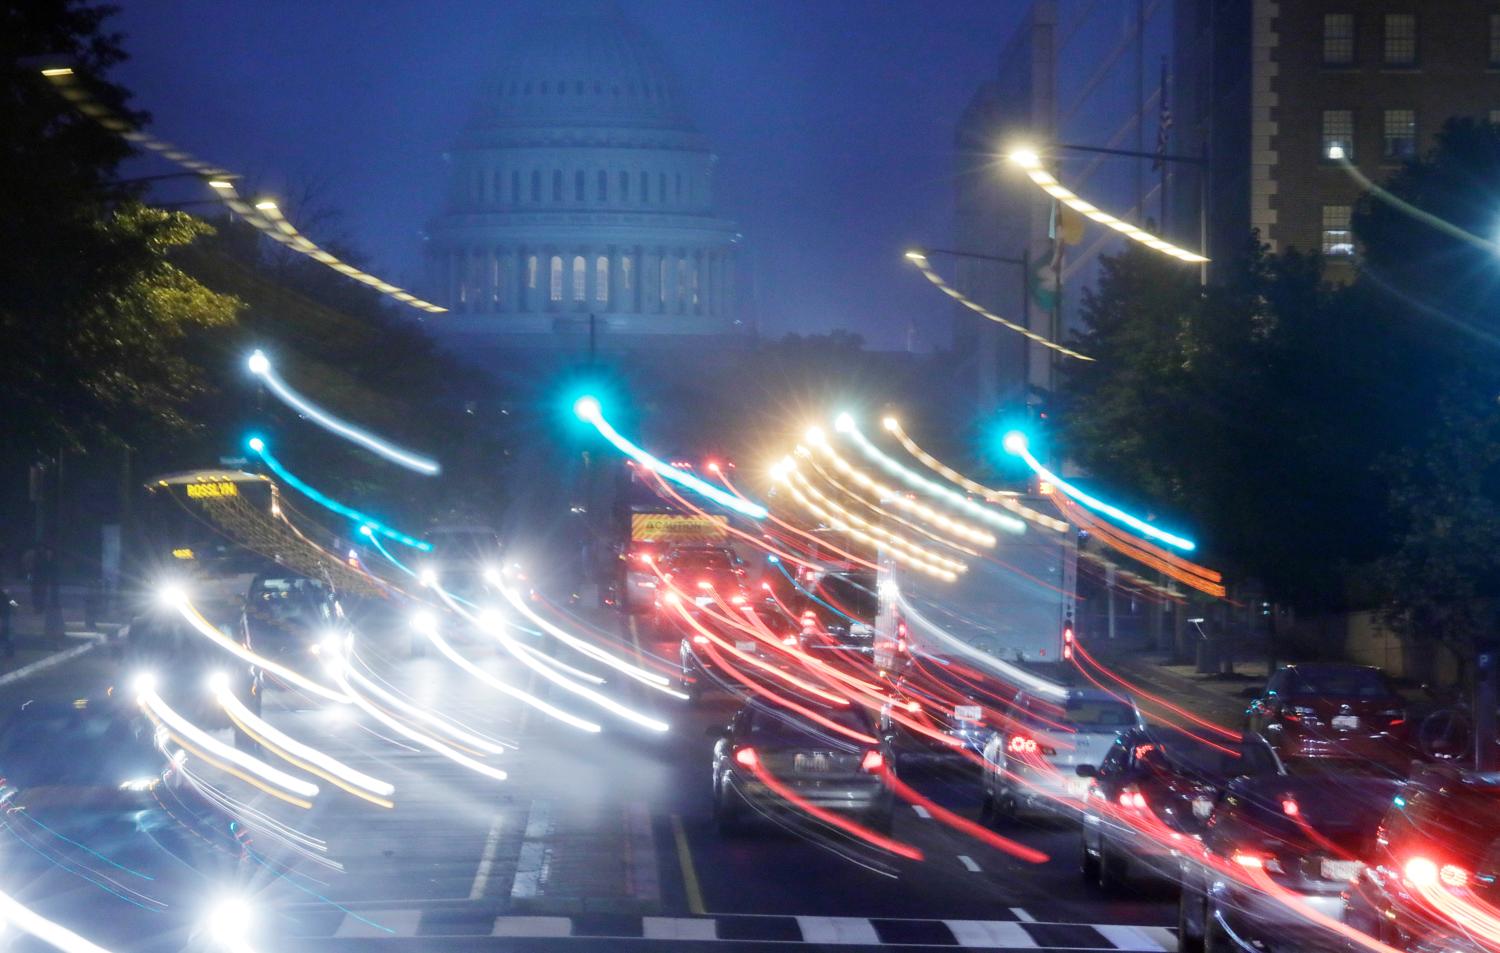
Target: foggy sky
x=833, y=120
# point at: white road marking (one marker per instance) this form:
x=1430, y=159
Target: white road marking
x=1138, y=938
x=1022, y=915
x=486, y=860
x=993, y=933
x=46, y=662
x=679, y=928
x=396, y=923
x=968, y=863
x=532, y=926
x=854, y=931
x=531, y=866
x=922, y=812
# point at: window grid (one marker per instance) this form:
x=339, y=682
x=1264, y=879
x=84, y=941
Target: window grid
x=1338, y=130
x=1338, y=39
x=1400, y=47
x=1338, y=240
x=556, y=279
x=1400, y=134
x=580, y=278
x=601, y=278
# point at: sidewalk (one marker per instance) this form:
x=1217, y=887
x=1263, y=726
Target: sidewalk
x=28, y=628
x=1219, y=698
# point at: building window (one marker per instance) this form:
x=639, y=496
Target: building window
x=1338, y=241
x=661, y=188
x=495, y=285
x=515, y=186
x=557, y=185
x=578, y=186
x=627, y=273
x=536, y=185
x=1400, y=135
x=1338, y=39
x=665, y=270
x=1400, y=39
x=531, y=272
x=1495, y=40
x=556, y=276
x=1338, y=132
x=601, y=278
x=580, y=278
x=624, y=186
x=682, y=280
x=603, y=195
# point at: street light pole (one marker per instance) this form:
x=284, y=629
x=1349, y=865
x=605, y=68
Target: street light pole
x=1024, y=263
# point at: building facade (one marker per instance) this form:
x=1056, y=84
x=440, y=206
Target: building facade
x=1270, y=86
x=580, y=200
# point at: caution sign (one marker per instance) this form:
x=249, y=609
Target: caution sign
x=676, y=528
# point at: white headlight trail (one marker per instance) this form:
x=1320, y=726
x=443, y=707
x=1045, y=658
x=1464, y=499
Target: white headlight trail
x=185, y=608
x=53, y=934
x=261, y=367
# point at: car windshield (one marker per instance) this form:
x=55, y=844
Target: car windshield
x=1345, y=682
x=853, y=595
x=465, y=545
x=709, y=560
x=102, y=750
x=776, y=730
x=291, y=599
x=1185, y=754
x=1094, y=713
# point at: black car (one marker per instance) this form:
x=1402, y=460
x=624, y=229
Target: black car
x=1150, y=800
x=823, y=767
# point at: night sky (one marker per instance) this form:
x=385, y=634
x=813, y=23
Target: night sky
x=833, y=119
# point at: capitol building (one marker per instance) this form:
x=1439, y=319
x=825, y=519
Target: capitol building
x=580, y=200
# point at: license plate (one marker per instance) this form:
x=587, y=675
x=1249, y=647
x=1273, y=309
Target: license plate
x=747, y=647
x=968, y=713
x=1078, y=787
x=812, y=763
x=1345, y=722
x=1340, y=870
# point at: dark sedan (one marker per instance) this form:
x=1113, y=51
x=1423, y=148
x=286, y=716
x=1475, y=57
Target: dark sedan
x=1318, y=710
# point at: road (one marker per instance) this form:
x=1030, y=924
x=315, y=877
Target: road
x=603, y=842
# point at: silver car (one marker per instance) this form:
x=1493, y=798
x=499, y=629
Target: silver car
x=1031, y=764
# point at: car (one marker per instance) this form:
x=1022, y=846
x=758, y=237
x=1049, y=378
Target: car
x=460, y=556
x=819, y=766
x=946, y=699
x=703, y=572
x=90, y=804
x=1030, y=763
x=1331, y=710
x=1438, y=846
x=835, y=609
x=1306, y=824
x=1150, y=799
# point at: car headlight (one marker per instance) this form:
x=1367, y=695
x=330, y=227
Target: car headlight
x=139, y=784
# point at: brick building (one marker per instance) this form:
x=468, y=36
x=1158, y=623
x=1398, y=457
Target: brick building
x=1269, y=86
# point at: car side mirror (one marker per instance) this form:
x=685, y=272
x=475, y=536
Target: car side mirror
x=1086, y=771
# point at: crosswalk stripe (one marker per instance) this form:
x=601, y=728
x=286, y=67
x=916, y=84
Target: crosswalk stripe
x=838, y=930
x=990, y=933
x=532, y=927
x=679, y=928
x=1138, y=938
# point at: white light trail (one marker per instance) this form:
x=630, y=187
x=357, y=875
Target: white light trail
x=919, y=622
x=53, y=934
x=178, y=599
x=260, y=366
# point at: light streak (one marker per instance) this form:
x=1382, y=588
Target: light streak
x=303, y=756
x=961, y=824
x=13, y=913
x=1336, y=153
x=546, y=708
x=789, y=471
x=1005, y=499
x=274, y=226
x=1188, y=573
x=589, y=411
x=901, y=556
x=272, y=780
x=893, y=496
x=178, y=600
x=844, y=424
x=339, y=667
x=920, y=260
x=1032, y=164
x=1015, y=443
x=885, y=515
x=258, y=445
x=229, y=925
x=793, y=528
x=833, y=820
x=261, y=367
x=458, y=735
x=1013, y=673
x=663, y=487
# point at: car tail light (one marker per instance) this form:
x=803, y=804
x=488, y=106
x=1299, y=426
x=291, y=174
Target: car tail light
x=1131, y=798
x=737, y=600
x=1289, y=807
x=1301, y=713
x=746, y=757
x=1396, y=715
x=1453, y=875
x=789, y=640
x=872, y=761
x=1020, y=744
x=1255, y=860
x=700, y=640
x=705, y=584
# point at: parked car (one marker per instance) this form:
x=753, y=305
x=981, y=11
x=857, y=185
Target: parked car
x=1306, y=824
x=1438, y=845
x=1031, y=763
x=1150, y=800
x=1334, y=710
x=822, y=767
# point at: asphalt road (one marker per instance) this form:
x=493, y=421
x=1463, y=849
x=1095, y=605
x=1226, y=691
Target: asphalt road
x=600, y=842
